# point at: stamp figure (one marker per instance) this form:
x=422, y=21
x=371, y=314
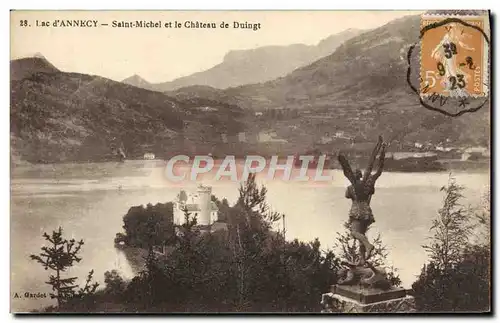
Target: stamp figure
x=454, y=56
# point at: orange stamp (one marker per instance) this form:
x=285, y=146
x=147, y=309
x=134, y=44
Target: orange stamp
x=454, y=57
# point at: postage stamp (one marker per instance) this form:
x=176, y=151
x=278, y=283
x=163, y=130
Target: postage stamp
x=454, y=55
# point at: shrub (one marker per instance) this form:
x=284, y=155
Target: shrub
x=115, y=284
x=148, y=226
x=457, y=277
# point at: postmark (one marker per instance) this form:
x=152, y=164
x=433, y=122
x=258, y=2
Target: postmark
x=460, y=84
x=454, y=56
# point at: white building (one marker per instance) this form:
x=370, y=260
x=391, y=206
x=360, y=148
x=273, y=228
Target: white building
x=440, y=148
x=149, y=156
x=326, y=140
x=342, y=135
x=270, y=136
x=478, y=151
x=199, y=204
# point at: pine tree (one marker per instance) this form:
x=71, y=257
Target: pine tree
x=59, y=257
x=251, y=222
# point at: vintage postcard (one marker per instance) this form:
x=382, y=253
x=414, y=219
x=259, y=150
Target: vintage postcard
x=250, y=161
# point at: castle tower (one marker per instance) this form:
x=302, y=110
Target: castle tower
x=204, y=200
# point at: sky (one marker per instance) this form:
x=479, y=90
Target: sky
x=163, y=54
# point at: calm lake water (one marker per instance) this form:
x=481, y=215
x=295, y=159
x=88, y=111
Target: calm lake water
x=89, y=201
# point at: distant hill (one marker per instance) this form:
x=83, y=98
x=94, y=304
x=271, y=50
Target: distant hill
x=257, y=65
x=201, y=92
x=25, y=67
x=136, y=80
x=58, y=116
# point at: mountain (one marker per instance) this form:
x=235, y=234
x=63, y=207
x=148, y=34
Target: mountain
x=257, y=65
x=136, y=80
x=363, y=68
x=366, y=67
x=25, y=67
x=360, y=89
x=57, y=116
x=328, y=45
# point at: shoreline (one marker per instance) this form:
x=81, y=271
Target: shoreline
x=452, y=164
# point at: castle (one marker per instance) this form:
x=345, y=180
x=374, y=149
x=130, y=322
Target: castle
x=199, y=204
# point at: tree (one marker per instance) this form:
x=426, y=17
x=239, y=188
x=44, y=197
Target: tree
x=149, y=226
x=483, y=218
x=59, y=257
x=223, y=209
x=115, y=284
x=457, y=277
x=249, y=267
x=253, y=201
x=465, y=287
x=250, y=223
x=186, y=231
x=451, y=229
x=182, y=196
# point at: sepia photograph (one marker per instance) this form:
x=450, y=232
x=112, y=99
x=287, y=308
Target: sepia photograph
x=324, y=162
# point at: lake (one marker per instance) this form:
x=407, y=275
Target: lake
x=89, y=200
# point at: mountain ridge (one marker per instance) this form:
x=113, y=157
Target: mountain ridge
x=363, y=85
x=359, y=92
x=62, y=117
x=256, y=65
x=27, y=66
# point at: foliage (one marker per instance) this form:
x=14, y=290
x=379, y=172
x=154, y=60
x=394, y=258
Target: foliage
x=451, y=228
x=115, y=284
x=457, y=277
x=182, y=196
x=224, y=208
x=59, y=257
x=149, y=226
x=483, y=220
x=348, y=250
x=464, y=287
x=249, y=267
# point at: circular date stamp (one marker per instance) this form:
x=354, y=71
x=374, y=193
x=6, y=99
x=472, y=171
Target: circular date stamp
x=449, y=67
x=454, y=56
